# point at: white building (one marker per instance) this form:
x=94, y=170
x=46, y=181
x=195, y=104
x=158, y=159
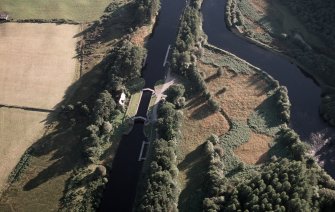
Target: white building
x=3, y=16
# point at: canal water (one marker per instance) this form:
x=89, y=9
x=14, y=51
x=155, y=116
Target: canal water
x=120, y=191
x=303, y=92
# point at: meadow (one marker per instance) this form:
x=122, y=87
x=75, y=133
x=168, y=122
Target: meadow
x=18, y=130
x=78, y=10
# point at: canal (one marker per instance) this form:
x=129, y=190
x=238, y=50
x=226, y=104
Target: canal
x=120, y=191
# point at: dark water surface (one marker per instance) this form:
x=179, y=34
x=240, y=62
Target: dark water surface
x=120, y=191
x=303, y=92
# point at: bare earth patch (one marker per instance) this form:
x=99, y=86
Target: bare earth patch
x=18, y=130
x=255, y=150
x=141, y=35
x=37, y=63
x=244, y=92
x=261, y=6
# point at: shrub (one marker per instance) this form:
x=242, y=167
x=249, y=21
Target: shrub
x=103, y=108
x=214, y=105
x=174, y=92
x=219, y=72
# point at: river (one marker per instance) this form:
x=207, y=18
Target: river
x=303, y=92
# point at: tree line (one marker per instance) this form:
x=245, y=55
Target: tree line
x=161, y=191
x=122, y=65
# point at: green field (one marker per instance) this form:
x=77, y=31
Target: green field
x=77, y=10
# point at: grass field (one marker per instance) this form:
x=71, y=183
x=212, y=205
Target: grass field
x=243, y=92
x=77, y=10
x=18, y=130
x=37, y=63
x=133, y=104
x=255, y=150
x=198, y=124
x=37, y=66
x=41, y=186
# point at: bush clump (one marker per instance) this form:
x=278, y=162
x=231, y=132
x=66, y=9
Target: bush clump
x=283, y=185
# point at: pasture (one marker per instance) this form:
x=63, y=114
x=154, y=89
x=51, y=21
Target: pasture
x=77, y=10
x=37, y=63
x=18, y=130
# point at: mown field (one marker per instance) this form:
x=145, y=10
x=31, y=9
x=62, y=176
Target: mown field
x=77, y=10
x=37, y=63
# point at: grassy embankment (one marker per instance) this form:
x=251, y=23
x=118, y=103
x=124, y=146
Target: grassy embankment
x=249, y=112
x=69, y=163
x=296, y=29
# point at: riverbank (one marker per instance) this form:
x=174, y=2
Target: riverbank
x=290, y=38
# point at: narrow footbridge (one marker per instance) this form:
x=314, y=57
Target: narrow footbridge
x=149, y=89
x=140, y=118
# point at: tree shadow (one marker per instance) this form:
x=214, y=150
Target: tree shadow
x=112, y=25
x=256, y=81
x=326, y=155
x=269, y=112
x=212, y=77
x=202, y=112
x=194, y=102
x=60, y=148
x=195, y=164
x=63, y=142
x=263, y=158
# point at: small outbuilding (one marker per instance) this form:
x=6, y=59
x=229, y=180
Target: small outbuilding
x=3, y=16
x=122, y=99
